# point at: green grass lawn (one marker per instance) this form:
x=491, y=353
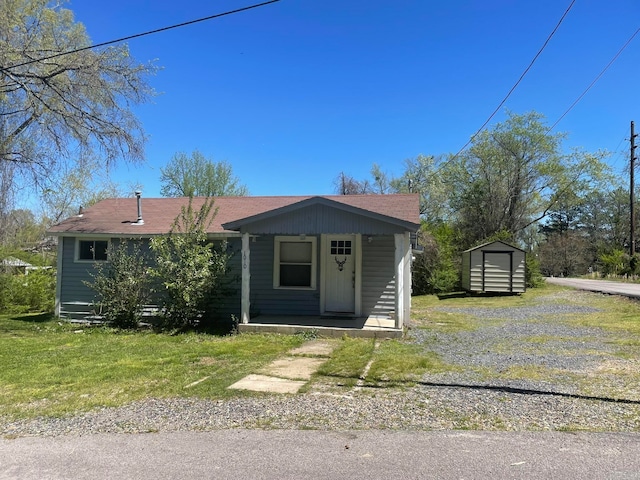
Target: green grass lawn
x=49, y=367
x=52, y=368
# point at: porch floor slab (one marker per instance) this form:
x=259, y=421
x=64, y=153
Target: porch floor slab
x=368, y=327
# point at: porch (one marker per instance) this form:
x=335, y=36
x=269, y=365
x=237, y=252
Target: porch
x=363, y=327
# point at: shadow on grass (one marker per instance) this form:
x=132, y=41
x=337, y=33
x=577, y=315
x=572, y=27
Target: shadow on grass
x=490, y=388
x=529, y=391
x=216, y=328
x=32, y=318
x=452, y=295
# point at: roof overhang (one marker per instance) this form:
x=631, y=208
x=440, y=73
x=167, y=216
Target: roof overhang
x=239, y=224
x=214, y=235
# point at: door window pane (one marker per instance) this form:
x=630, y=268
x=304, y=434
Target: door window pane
x=340, y=247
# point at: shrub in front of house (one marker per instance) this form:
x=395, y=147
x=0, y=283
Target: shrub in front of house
x=122, y=285
x=189, y=269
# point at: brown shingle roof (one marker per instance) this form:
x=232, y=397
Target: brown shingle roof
x=117, y=215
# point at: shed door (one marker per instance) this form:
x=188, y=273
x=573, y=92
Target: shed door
x=340, y=274
x=497, y=272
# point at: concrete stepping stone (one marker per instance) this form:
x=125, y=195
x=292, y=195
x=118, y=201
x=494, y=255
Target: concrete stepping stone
x=315, y=347
x=290, y=373
x=264, y=383
x=294, y=367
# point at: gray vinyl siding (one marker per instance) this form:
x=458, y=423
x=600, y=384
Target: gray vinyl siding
x=76, y=298
x=318, y=219
x=230, y=299
x=378, y=276
x=266, y=300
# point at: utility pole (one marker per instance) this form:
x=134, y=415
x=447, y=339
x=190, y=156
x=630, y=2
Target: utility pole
x=632, y=200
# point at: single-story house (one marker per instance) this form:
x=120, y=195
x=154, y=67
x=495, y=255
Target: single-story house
x=494, y=267
x=338, y=260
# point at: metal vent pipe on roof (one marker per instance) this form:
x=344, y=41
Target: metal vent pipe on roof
x=140, y=221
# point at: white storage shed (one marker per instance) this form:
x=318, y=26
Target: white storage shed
x=494, y=267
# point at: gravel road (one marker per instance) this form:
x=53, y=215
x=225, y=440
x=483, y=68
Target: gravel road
x=524, y=370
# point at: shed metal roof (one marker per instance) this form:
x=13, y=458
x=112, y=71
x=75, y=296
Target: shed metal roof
x=491, y=243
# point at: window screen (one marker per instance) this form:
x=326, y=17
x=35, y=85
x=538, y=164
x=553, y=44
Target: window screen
x=92, y=249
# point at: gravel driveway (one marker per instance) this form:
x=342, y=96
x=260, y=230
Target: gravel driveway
x=525, y=369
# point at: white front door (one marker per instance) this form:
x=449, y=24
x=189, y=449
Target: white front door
x=340, y=274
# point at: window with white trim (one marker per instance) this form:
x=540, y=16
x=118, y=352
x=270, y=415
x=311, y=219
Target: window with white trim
x=295, y=262
x=92, y=250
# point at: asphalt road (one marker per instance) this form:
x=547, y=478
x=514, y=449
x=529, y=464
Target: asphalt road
x=287, y=454
x=615, y=288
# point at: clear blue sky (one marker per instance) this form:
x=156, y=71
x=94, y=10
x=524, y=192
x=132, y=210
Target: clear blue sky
x=293, y=93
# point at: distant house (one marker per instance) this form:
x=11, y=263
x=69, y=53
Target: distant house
x=338, y=261
x=15, y=265
x=494, y=267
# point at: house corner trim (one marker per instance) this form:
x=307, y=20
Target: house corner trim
x=246, y=279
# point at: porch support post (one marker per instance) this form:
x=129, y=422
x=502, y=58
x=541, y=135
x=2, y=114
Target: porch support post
x=58, y=305
x=407, y=288
x=246, y=279
x=403, y=278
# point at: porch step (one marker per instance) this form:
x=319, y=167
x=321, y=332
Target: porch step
x=325, y=332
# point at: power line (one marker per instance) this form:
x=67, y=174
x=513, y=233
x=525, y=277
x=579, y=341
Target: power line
x=544, y=45
x=618, y=153
x=595, y=80
x=615, y=57
x=138, y=35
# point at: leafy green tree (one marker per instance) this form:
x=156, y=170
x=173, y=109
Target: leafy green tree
x=533, y=272
x=613, y=262
x=437, y=268
x=381, y=180
x=21, y=229
x=563, y=254
x=422, y=175
x=380, y=183
x=30, y=291
x=587, y=228
x=189, y=268
x=121, y=284
x=605, y=218
x=7, y=195
x=83, y=185
x=198, y=176
x=59, y=100
x=513, y=175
